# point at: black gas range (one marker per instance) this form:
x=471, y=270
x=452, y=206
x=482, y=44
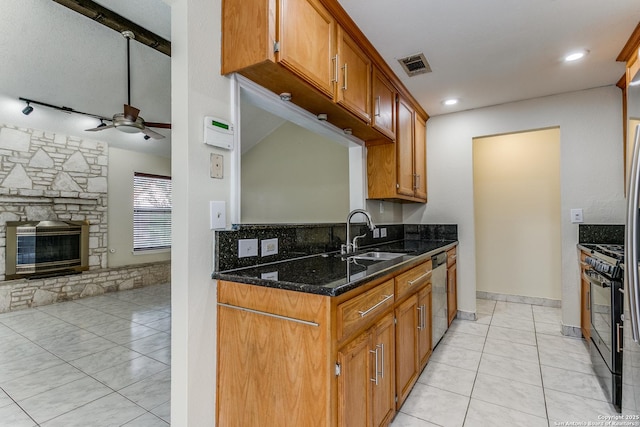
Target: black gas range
x=605, y=274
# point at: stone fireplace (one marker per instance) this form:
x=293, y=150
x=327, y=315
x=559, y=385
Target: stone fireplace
x=52, y=177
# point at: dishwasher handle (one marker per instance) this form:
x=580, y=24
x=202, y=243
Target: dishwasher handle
x=438, y=259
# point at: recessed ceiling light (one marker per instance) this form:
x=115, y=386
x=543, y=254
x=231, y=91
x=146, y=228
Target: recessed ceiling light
x=451, y=101
x=574, y=56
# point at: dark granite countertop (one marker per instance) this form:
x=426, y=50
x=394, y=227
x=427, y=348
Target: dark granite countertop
x=332, y=274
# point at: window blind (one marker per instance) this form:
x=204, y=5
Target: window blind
x=151, y=212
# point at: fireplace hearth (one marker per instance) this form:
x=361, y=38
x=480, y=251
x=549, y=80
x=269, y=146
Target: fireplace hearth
x=46, y=248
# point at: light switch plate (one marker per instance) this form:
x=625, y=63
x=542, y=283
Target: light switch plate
x=247, y=247
x=576, y=216
x=217, y=215
x=376, y=233
x=383, y=232
x=269, y=247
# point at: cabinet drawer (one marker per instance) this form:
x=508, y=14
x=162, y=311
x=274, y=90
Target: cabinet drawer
x=452, y=256
x=411, y=280
x=355, y=313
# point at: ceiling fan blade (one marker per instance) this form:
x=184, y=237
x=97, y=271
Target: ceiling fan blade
x=100, y=128
x=158, y=125
x=152, y=134
x=131, y=113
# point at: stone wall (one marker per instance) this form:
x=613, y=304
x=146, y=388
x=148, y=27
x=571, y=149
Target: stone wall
x=23, y=293
x=47, y=176
x=44, y=176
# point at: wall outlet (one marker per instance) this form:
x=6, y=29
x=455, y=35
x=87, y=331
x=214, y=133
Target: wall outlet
x=247, y=247
x=269, y=247
x=383, y=232
x=576, y=216
x=272, y=275
x=376, y=233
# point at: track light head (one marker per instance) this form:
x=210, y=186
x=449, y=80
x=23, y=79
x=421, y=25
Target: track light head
x=102, y=124
x=27, y=110
x=147, y=137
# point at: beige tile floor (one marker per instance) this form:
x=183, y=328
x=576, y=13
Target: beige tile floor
x=100, y=361
x=512, y=367
x=105, y=361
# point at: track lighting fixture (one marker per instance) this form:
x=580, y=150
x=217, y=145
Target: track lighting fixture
x=102, y=124
x=147, y=137
x=27, y=110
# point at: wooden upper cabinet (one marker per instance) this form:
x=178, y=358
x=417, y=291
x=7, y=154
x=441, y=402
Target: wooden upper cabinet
x=353, y=68
x=400, y=172
x=420, y=157
x=313, y=50
x=383, y=104
x=307, y=43
x=404, y=148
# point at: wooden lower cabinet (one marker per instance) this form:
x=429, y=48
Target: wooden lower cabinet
x=289, y=358
x=366, y=381
x=413, y=340
x=585, y=300
x=452, y=284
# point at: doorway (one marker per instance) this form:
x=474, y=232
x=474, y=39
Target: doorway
x=516, y=182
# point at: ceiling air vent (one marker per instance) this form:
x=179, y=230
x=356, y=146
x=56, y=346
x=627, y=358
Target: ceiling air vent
x=415, y=64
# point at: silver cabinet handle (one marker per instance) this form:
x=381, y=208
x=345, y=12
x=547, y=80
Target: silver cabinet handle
x=335, y=69
x=411, y=282
x=375, y=378
x=420, y=318
x=377, y=112
x=381, y=345
x=417, y=181
x=364, y=313
x=424, y=316
x=344, y=87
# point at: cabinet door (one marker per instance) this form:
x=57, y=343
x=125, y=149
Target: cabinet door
x=354, y=382
x=383, y=398
x=406, y=347
x=384, y=105
x=307, y=43
x=452, y=292
x=420, y=157
x=404, y=149
x=424, y=325
x=354, y=77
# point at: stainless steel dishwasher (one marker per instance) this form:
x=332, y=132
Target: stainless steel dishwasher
x=439, y=318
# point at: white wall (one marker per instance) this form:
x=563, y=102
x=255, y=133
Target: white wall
x=591, y=174
x=197, y=90
x=122, y=165
x=295, y=176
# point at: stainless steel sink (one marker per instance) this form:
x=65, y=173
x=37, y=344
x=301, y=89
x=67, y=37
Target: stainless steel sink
x=378, y=256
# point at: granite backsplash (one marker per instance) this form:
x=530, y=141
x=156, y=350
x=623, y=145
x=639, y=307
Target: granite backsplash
x=601, y=233
x=297, y=240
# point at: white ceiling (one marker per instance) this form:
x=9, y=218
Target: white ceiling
x=484, y=52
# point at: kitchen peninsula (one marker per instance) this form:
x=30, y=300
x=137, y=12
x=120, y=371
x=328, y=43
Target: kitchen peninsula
x=309, y=336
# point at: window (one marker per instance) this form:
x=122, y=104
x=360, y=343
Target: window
x=151, y=212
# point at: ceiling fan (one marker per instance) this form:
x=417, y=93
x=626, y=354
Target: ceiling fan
x=129, y=121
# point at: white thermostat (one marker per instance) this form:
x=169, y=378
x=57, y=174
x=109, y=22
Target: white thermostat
x=218, y=132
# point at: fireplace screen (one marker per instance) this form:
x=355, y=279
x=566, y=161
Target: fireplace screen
x=46, y=248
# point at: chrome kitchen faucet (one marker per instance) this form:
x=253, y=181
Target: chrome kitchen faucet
x=349, y=246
